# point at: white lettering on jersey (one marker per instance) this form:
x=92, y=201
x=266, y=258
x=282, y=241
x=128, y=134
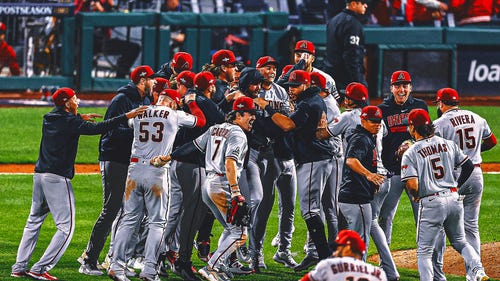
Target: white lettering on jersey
x=347, y=268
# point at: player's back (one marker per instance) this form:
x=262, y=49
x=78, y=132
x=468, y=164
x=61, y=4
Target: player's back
x=466, y=129
x=346, y=268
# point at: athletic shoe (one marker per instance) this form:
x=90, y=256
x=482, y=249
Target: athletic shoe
x=285, y=258
x=81, y=259
x=130, y=272
x=19, y=274
x=41, y=276
x=162, y=269
x=131, y=262
x=236, y=267
x=139, y=263
x=105, y=264
x=481, y=276
x=307, y=262
x=149, y=278
x=224, y=272
x=88, y=269
x=203, y=250
x=117, y=277
x=258, y=263
x=276, y=240
x=243, y=254
x=185, y=271
x=170, y=258
x=211, y=274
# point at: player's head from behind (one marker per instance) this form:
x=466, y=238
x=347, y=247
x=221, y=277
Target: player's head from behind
x=243, y=113
x=170, y=98
x=285, y=70
x=400, y=86
x=298, y=82
x=319, y=81
x=185, y=81
x=349, y=244
x=204, y=82
x=305, y=50
x=223, y=65
x=419, y=124
x=250, y=82
x=142, y=76
x=357, y=6
x=446, y=99
x=66, y=99
x=181, y=61
x=159, y=85
x=267, y=66
x=356, y=95
x=371, y=118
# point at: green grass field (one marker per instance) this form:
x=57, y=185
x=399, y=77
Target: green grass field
x=20, y=131
x=15, y=204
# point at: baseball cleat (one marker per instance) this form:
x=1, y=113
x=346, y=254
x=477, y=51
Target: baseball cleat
x=19, y=274
x=481, y=276
x=276, y=240
x=237, y=267
x=117, y=277
x=243, y=254
x=138, y=264
x=307, y=262
x=185, y=271
x=211, y=274
x=203, y=250
x=285, y=258
x=88, y=269
x=41, y=276
x=149, y=278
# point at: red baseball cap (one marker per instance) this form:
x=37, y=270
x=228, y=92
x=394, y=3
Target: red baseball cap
x=223, y=57
x=62, y=95
x=400, y=77
x=305, y=46
x=186, y=78
x=182, y=61
x=173, y=94
x=244, y=103
x=285, y=69
x=3, y=28
x=161, y=84
x=447, y=94
x=298, y=77
x=372, y=113
x=356, y=92
x=318, y=80
x=418, y=117
x=203, y=80
x=142, y=71
x=263, y=61
x=352, y=238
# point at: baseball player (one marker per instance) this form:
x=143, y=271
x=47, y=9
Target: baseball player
x=347, y=263
x=225, y=147
x=223, y=67
x=52, y=188
x=427, y=170
x=313, y=156
x=395, y=109
x=356, y=97
x=473, y=135
x=281, y=174
x=184, y=81
x=7, y=54
x=147, y=187
x=181, y=61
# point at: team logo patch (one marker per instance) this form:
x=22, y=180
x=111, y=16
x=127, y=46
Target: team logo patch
x=183, y=80
x=185, y=66
x=293, y=76
x=143, y=74
x=225, y=59
x=303, y=45
x=240, y=105
x=401, y=76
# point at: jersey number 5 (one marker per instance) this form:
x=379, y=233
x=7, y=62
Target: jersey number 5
x=438, y=168
x=156, y=134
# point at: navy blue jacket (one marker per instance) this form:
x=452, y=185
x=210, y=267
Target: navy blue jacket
x=307, y=148
x=116, y=144
x=393, y=116
x=60, y=134
x=220, y=93
x=355, y=188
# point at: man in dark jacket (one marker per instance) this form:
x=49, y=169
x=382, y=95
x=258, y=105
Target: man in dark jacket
x=114, y=158
x=52, y=189
x=345, y=50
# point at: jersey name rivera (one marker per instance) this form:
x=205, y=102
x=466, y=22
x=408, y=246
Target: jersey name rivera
x=462, y=120
x=342, y=267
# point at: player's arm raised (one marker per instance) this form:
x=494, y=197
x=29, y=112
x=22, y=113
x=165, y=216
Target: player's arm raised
x=281, y=120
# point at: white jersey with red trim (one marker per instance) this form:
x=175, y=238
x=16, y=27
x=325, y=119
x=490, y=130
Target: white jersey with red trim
x=220, y=142
x=431, y=161
x=465, y=128
x=155, y=130
x=277, y=98
x=348, y=269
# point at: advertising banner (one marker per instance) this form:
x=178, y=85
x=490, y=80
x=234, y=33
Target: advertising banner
x=478, y=72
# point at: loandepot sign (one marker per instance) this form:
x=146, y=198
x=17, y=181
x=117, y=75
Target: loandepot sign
x=478, y=71
x=31, y=9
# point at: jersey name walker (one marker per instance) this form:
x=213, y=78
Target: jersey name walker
x=220, y=142
x=465, y=128
x=155, y=130
x=427, y=160
x=347, y=269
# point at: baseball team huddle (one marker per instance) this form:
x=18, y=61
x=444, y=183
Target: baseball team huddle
x=179, y=150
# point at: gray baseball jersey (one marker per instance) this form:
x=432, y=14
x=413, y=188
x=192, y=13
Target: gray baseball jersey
x=147, y=187
x=346, y=268
x=330, y=83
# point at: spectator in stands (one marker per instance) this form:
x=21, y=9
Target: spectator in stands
x=345, y=50
x=474, y=12
x=7, y=53
x=420, y=12
x=103, y=42
x=177, y=33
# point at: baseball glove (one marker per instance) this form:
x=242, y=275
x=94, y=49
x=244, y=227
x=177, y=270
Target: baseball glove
x=238, y=212
x=403, y=148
